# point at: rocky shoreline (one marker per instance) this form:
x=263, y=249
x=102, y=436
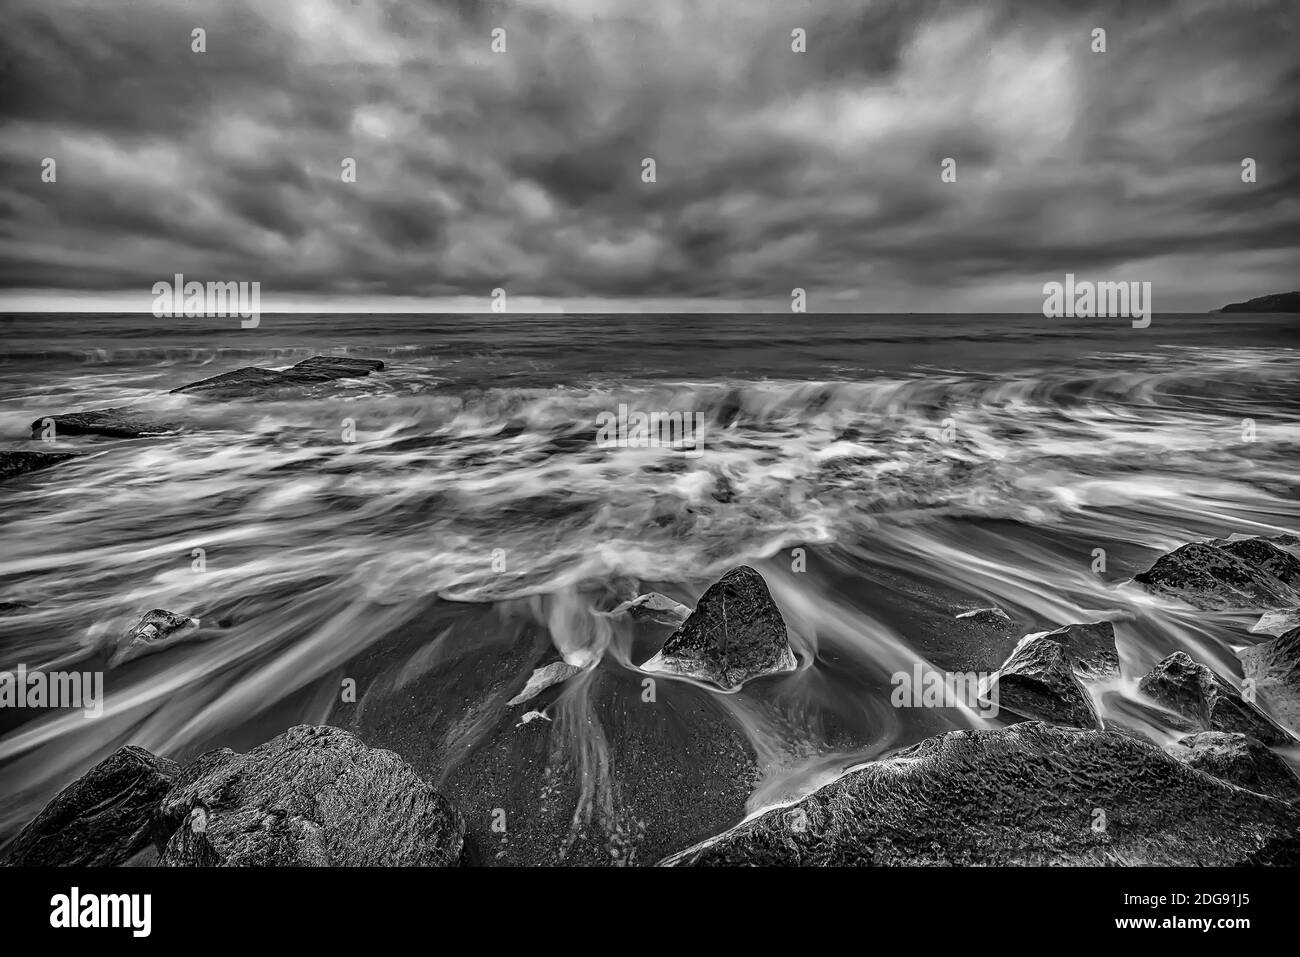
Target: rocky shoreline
x=1057, y=785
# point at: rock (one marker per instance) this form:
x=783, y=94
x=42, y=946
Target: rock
x=1195, y=692
x=119, y=423
x=252, y=381
x=1091, y=647
x=1276, y=623
x=736, y=633
x=1276, y=302
x=543, y=678
x=1030, y=794
x=20, y=462
x=155, y=631
x=1274, y=667
x=1239, y=760
x=654, y=607
x=101, y=819
x=985, y=615
x=313, y=796
x=1248, y=573
x=1038, y=681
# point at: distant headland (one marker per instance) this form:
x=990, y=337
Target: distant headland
x=1278, y=302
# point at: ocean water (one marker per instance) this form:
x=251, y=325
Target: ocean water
x=982, y=456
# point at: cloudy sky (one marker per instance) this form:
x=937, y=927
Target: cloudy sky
x=523, y=170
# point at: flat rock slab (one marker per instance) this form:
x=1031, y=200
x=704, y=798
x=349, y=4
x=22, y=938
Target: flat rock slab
x=253, y=381
x=314, y=796
x=1038, y=681
x=156, y=631
x=1240, y=760
x=1031, y=794
x=120, y=423
x=1192, y=690
x=1250, y=573
x=736, y=633
x=102, y=819
x=655, y=607
x=1274, y=666
x=22, y=461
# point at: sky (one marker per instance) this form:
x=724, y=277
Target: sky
x=523, y=169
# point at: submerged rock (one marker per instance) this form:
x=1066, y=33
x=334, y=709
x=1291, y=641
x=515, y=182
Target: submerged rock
x=1192, y=690
x=155, y=631
x=985, y=615
x=313, y=796
x=735, y=633
x=253, y=381
x=1274, y=667
x=120, y=423
x=1240, y=760
x=1246, y=573
x=653, y=606
x=543, y=678
x=1038, y=681
x=101, y=819
x=1030, y=794
x=20, y=462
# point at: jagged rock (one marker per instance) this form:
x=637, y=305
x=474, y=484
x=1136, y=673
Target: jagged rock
x=654, y=607
x=543, y=678
x=155, y=631
x=1276, y=623
x=1247, y=573
x=120, y=423
x=1038, y=681
x=1030, y=794
x=313, y=796
x=735, y=633
x=20, y=462
x=1194, y=691
x=101, y=819
x=1091, y=647
x=1274, y=667
x=252, y=381
x=1240, y=760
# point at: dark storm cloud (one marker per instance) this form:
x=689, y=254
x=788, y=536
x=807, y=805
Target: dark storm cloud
x=775, y=169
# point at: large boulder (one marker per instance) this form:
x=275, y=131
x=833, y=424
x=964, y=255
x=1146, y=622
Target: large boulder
x=1246, y=573
x=1239, y=759
x=1091, y=647
x=20, y=462
x=1038, y=681
x=154, y=632
x=1192, y=690
x=313, y=796
x=252, y=381
x=1274, y=667
x=1030, y=794
x=736, y=633
x=101, y=819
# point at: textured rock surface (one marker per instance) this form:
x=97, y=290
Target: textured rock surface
x=1194, y=691
x=1240, y=760
x=101, y=819
x=654, y=607
x=314, y=796
x=1247, y=573
x=114, y=423
x=735, y=633
x=155, y=631
x=1276, y=623
x=1038, y=681
x=251, y=381
x=543, y=678
x=1274, y=667
x=19, y=462
x=1091, y=647
x=1028, y=794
